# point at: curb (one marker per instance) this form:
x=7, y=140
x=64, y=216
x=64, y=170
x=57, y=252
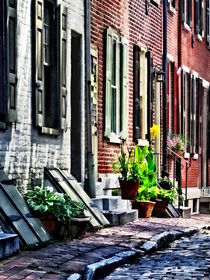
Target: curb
x=93, y=271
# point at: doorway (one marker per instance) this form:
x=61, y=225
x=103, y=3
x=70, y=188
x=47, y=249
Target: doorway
x=76, y=105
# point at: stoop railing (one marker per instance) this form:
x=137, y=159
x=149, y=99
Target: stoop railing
x=174, y=167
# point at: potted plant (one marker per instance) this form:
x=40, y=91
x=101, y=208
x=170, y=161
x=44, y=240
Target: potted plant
x=176, y=143
x=128, y=165
x=56, y=210
x=148, y=190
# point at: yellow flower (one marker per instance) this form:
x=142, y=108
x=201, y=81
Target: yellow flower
x=155, y=130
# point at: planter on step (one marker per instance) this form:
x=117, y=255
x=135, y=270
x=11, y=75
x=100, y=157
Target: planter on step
x=129, y=189
x=55, y=228
x=179, y=152
x=145, y=208
x=78, y=226
x=160, y=208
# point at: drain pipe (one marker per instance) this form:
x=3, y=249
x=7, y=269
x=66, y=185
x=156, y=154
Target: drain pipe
x=164, y=104
x=91, y=188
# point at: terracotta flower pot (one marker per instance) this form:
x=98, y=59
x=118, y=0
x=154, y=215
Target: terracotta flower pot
x=79, y=226
x=160, y=208
x=179, y=152
x=129, y=189
x=145, y=208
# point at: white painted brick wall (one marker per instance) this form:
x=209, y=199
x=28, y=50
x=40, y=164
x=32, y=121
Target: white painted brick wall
x=23, y=152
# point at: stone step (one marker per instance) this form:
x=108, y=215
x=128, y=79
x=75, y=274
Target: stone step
x=121, y=216
x=110, y=203
x=9, y=245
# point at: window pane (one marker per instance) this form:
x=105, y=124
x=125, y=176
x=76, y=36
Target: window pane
x=114, y=63
x=39, y=53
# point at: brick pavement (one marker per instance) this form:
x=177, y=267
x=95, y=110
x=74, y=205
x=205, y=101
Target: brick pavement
x=61, y=259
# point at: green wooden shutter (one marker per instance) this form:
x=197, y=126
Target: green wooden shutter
x=39, y=63
x=108, y=78
x=136, y=94
x=149, y=92
x=62, y=43
x=208, y=21
x=124, y=90
x=11, y=59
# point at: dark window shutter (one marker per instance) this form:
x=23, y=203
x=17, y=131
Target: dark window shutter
x=208, y=21
x=183, y=10
x=182, y=102
x=11, y=60
x=39, y=64
x=176, y=107
x=136, y=94
x=62, y=23
x=190, y=13
x=196, y=15
x=149, y=92
x=2, y=64
x=201, y=18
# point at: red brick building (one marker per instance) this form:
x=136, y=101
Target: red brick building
x=188, y=90
x=126, y=39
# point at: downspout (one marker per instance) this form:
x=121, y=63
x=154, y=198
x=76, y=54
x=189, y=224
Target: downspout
x=91, y=189
x=164, y=66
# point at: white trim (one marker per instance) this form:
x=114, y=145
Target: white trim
x=123, y=40
x=170, y=57
x=195, y=156
x=186, y=155
x=200, y=38
x=195, y=74
x=186, y=27
x=143, y=48
x=186, y=69
x=205, y=84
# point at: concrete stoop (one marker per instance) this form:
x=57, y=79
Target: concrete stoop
x=117, y=211
x=9, y=245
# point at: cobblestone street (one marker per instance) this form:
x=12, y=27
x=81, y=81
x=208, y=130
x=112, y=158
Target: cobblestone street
x=185, y=259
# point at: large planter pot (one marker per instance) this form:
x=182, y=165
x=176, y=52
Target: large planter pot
x=179, y=152
x=79, y=226
x=145, y=208
x=160, y=208
x=56, y=229
x=129, y=189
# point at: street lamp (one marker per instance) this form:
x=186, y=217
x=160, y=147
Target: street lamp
x=160, y=76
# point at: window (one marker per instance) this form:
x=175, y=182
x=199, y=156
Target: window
x=50, y=66
x=8, y=72
x=208, y=22
x=198, y=14
x=116, y=100
x=186, y=108
x=143, y=97
x=187, y=12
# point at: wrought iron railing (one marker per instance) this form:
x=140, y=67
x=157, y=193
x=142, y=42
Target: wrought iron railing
x=175, y=165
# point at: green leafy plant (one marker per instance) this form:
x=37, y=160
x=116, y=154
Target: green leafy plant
x=45, y=200
x=165, y=183
x=168, y=195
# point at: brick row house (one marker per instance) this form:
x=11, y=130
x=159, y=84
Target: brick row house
x=126, y=48
x=42, y=108
x=188, y=91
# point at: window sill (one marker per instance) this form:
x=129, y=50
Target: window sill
x=114, y=139
x=199, y=37
x=186, y=155
x=143, y=143
x=50, y=131
x=171, y=10
x=195, y=156
x=186, y=27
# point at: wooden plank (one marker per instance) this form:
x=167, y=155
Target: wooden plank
x=16, y=221
x=21, y=205
x=68, y=184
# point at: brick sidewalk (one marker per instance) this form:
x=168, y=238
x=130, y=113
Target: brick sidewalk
x=61, y=259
